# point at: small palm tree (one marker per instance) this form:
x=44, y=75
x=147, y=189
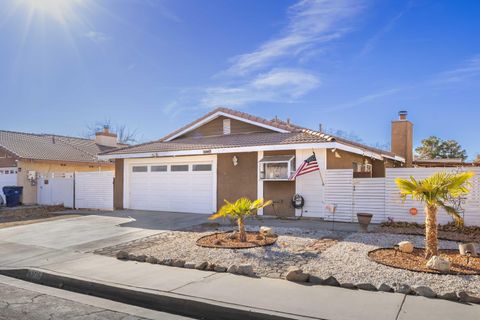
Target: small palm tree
x=241, y=209
x=435, y=192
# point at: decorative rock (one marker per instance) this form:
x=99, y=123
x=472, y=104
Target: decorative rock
x=151, y=259
x=348, y=285
x=232, y=235
x=266, y=231
x=296, y=274
x=122, y=255
x=405, y=246
x=439, y=264
x=404, y=289
x=331, y=281
x=219, y=269
x=466, y=296
x=385, y=288
x=141, y=258
x=178, y=263
x=210, y=267
x=425, y=292
x=452, y=296
x=167, y=262
x=132, y=257
x=315, y=280
x=201, y=265
x=246, y=270
x=232, y=269
x=366, y=286
x=189, y=265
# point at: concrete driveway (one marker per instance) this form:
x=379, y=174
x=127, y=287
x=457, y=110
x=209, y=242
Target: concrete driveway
x=95, y=230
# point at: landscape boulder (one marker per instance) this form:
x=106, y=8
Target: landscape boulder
x=246, y=270
x=122, y=255
x=232, y=269
x=439, y=264
x=219, y=269
x=189, y=265
x=151, y=259
x=425, y=292
x=141, y=258
x=296, y=274
x=266, y=231
x=315, y=280
x=452, y=296
x=178, y=263
x=366, y=286
x=470, y=297
x=405, y=246
x=348, y=285
x=201, y=265
x=404, y=289
x=331, y=281
x=385, y=288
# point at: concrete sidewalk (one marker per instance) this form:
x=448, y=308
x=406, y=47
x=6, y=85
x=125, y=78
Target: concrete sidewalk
x=289, y=299
x=64, y=248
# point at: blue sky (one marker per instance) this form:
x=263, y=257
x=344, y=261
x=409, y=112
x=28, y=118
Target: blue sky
x=155, y=65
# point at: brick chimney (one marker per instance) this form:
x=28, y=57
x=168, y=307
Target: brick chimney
x=402, y=138
x=106, y=138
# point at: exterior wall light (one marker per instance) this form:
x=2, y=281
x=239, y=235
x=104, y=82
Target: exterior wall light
x=235, y=161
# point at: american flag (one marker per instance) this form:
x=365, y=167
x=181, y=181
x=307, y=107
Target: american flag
x=309, y=165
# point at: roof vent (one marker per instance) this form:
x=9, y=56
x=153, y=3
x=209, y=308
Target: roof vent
x=226, y=126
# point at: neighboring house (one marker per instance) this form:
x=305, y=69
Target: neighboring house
x=227, y=154
x=27, y=159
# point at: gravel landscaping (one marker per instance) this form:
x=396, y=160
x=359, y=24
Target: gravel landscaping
x=273, y=261
x=322, y=254
x=348, y=262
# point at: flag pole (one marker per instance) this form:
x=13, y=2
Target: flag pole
x=319, y=170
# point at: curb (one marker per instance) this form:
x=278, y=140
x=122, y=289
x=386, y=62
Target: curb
x=155, y=300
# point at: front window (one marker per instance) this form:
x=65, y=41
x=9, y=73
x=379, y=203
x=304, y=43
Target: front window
x=277, y=167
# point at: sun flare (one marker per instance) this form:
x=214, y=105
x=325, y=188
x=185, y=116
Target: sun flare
x=61, y=10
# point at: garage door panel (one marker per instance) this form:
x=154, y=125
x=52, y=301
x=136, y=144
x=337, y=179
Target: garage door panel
x=178, y=191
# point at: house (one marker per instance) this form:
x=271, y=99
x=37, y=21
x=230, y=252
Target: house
x=30, y=160
x=227, y=154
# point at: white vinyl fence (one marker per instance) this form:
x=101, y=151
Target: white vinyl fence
x=381, y=197
x=55, y=189
x=94, y=190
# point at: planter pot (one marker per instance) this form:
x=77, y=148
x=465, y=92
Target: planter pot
x=363, y=221
x=470, y=247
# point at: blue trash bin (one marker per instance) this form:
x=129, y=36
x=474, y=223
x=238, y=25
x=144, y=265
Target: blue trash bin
x=12, y=195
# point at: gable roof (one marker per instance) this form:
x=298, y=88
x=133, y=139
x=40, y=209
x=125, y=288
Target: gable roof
x=274, y=125
x=51, y=147
x=283, y=133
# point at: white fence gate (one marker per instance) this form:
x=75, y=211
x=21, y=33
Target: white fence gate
x=381, y=197
x=94, y=190
x=55, y=189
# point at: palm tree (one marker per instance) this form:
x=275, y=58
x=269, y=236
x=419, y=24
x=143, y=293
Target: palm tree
x=435, y=192
x=241, y=209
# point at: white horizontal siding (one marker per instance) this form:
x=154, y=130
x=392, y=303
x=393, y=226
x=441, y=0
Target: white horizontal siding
x=310, y=186
x=94, y=190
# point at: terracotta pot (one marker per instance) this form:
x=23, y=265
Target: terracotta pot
x=470, y=247
x=363, y=221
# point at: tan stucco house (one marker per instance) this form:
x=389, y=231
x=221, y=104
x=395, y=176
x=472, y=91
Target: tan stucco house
x=25, y=158
x=227, y=154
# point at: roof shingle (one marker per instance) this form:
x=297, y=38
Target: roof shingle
x=51, y=147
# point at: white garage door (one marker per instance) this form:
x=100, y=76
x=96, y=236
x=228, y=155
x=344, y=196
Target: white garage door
x=175, y=187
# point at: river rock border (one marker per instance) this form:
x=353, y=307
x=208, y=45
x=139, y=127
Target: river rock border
x=296, y=274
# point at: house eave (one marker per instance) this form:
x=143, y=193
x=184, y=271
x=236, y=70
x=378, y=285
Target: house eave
x=325, y=145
